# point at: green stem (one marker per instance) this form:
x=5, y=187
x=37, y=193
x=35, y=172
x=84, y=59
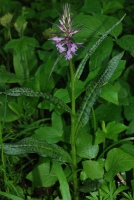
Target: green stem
x=1, y=143
x=73, y=147
x=112, y=145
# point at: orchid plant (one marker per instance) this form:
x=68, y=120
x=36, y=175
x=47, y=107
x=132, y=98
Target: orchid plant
x=67, y=46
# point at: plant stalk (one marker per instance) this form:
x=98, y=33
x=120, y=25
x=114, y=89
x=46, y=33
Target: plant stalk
x=73, y=147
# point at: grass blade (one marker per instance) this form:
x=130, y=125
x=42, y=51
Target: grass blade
x=10, y=196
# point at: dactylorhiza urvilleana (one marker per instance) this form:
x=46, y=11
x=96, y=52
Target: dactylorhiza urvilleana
x=66, y=43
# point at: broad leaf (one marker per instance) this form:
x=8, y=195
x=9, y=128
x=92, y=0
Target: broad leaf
x=127, y=43
x=88, y=150
x=42, y=175
x=117, y=161
x=50, y=134
x=93, y=169
x=113, y=129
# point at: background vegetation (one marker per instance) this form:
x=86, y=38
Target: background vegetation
x=105, y=151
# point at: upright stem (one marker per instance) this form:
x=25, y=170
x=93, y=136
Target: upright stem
x=73, y=147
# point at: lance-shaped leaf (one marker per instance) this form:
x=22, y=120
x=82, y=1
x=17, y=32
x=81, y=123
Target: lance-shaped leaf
x=54, y=65
x=41, y=147
x=93, y=91
x=91, y=51
x=31, y=93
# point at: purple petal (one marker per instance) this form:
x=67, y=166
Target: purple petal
x=68, y=55
x=56, y=39
x=73, y=48
x=60, y=48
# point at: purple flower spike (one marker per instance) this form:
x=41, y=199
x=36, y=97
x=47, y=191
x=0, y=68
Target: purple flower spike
x=66, y=44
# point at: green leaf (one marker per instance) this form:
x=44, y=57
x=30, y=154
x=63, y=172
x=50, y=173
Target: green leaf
x=57, y=122
x=64, y=186
x=88, y=150
x=128, y=148
x=93, y=169
x=119, y=70
x=42, y=175
x=16, y=108
x=127, y=43
x=112, y=6
x=101, y=56
x=41, y=147
x=90, y=185
x=128, y=110
x=113, y=129
x=50, y=134
x=31, y=93
x=6, y=114
x=92, y=6
x=93, y=91
x=100, y=136
x=123, y=90
x=130, y=129
x=106, y=112
x=8, y=77
x=10, y=196
x=90, y=52
x=63, y=94
x=117, y=161
x=20, y=45
x=110, y=94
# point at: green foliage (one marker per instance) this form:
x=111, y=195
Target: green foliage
x=66, y=134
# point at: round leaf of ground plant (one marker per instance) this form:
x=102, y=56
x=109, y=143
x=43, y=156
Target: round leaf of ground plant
x=49, y=134
x=110, y=94
x=42, y=176
x=113, y=129
x=93, y=169
x=117, y=161
x=85, y=149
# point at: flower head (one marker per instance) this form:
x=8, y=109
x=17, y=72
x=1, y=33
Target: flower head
x=66, y=44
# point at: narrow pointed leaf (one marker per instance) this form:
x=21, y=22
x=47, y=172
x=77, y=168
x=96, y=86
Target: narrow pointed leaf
x=41, y=147
x=91, y=51
x=64, y=187
x=10, y=196
x=53, y=67
x=94, y=90
x=31, y=93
